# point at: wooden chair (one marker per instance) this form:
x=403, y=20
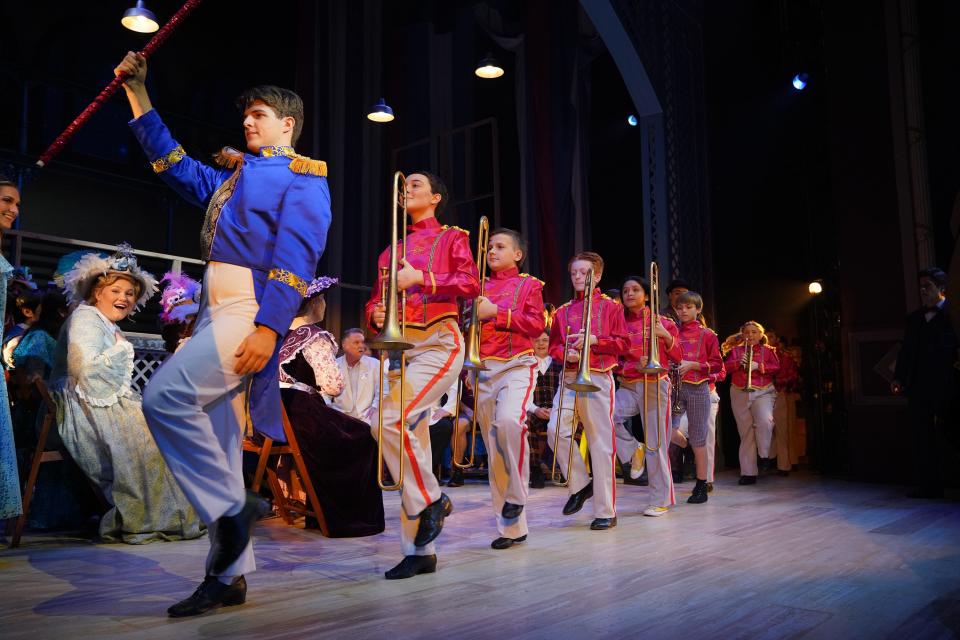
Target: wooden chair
x=299, y=475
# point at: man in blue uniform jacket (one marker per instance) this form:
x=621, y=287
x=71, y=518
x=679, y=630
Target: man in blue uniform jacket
x=267, y=215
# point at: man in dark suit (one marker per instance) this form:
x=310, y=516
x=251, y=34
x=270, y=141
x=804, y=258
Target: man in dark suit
x=927, y=372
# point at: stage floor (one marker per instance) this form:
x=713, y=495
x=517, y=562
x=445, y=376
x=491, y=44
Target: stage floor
x=791, y=557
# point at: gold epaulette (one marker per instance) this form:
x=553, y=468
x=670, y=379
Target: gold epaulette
x=606, y=297
x=527, y=275
x=228, y=157
x=450, y=226
x=308, y=166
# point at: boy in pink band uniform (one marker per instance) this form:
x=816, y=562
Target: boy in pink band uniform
x=511, y=312
x=439, y=270
x=753, y=406
x=634, y=384
x=608, y=340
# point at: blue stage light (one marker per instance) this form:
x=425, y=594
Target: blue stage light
x=632, y=120
x=800, y=81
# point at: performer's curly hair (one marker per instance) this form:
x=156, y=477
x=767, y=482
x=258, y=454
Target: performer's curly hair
x=283, y=101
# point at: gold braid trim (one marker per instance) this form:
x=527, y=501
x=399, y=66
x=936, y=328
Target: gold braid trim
x=289, y=279
x=228, y=157
x=163, y=163
x=305, y=165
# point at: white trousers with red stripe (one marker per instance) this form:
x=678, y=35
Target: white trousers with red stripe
x=432, y=366
x=630, y=405
x=505, y=389
x=596, y=416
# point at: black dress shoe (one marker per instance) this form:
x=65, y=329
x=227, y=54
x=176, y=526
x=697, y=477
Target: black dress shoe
x=233, y=533
x=699, y=495
x=209, y=595
x=766, y=464
x=456, y=478
x=575, y=501
x=506, y=543
x=431, y=521
x=747, y=480
x=537, y=480
x=511, y=511
x=411, y=566
x=599, y=524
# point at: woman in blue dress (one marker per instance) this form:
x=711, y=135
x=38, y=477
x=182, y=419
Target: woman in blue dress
x=10, y=505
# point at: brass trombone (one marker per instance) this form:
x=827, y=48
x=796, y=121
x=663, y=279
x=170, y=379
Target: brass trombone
x=471, y=359
x=653, y=367
x=391, y=337
x=581, y=384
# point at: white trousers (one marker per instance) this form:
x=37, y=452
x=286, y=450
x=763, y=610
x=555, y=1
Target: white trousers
x=596, y=416
x=711, y=433
x=432, y=366
x=754, y=413
x=505, y=389
x=195, y=404
x=629, y=404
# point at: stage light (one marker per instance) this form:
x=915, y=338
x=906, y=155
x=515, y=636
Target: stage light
x=815, y=287
x=380, y=112
x=800, y=81
x=140, y=19
x=632, y=120
x=489, y=68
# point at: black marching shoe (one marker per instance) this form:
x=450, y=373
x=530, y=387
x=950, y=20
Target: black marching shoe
x=456, y=478
x=537, y=481
x=211, y=594
x=576, y=500
x=411, y=566
x=233, y=533
x=767, y=464
x=431, y=521
x=511, y=511
x=506, y=543
x=747, y=480
x=699, y=494
x=600, y=524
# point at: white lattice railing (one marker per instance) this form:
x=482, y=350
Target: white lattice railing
x=149, y=354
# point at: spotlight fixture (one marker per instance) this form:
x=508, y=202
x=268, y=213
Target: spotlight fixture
x=815, y=287
x=489, y=68
x=800, y=81
x=632, y=120
x=140, y=19
x=380, y=112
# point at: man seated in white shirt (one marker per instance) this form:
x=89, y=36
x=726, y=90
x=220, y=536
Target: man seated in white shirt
x=361, y=393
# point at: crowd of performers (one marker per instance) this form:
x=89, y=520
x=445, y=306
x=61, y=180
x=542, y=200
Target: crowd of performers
x=248, y=343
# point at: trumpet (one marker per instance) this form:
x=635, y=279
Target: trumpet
x=748, y=365
x=653, y=368
x=391, y=337
x=471, y=360
x=581, y=384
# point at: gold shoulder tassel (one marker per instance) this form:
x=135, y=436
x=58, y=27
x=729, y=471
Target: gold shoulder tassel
x=305, y=165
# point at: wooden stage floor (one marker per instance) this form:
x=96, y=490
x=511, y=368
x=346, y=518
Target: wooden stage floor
x=797, y=557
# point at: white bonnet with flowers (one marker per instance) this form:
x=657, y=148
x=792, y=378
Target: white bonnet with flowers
x=80, y=280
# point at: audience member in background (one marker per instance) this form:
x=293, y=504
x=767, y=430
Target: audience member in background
x=101, y=419
x=338, y=452
x=927, y=373
x=25, y=311
x=10, y=504
x=361, y=390
x=538, y=411
x=180, y=301
x=33, y=356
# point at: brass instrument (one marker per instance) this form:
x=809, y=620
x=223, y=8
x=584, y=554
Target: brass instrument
x=581, y=384
x=653, y=368
x=748, y=357
x=471, y=359
x=676, y=381
x=391, y=337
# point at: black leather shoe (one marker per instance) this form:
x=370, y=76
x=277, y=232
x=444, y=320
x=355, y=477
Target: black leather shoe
x=699, y=495
x=211, y=594
x=456, y=478
x=411, y=566
x=747, y=480
x=233, y=533
x=766, y=464
x=431, y=521
x=506, y=543
x=575, y=501
x=511, y=511
x=537, y=480
x=599, y=524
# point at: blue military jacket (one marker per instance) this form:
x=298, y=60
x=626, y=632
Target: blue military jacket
x=269, y=213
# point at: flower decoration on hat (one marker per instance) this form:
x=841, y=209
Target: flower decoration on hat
x=80, y=280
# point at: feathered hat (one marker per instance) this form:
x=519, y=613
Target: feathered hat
x=180, y=298
x=319, y=285
x=79, y=281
